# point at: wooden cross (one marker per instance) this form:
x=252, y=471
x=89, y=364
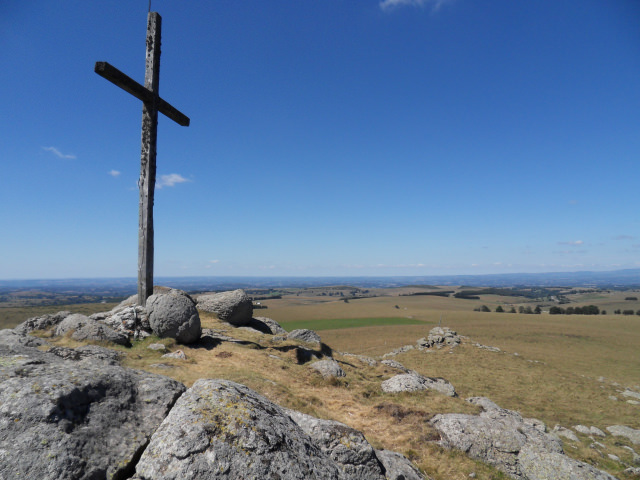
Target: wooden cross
x=151, y=105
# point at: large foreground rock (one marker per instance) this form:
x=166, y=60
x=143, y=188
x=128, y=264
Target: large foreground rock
x=233, y=307
x=223, y=430
x=516, y=446
x=174, y=314
x=346, y=446
x=74, y=419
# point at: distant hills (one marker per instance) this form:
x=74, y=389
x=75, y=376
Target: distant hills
x=116, y=287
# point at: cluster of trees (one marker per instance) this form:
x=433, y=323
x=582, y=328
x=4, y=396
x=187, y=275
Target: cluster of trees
x=587, y=310
x=625, y=312
x=521, y=309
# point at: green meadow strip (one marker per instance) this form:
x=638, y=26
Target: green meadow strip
x=338, y=323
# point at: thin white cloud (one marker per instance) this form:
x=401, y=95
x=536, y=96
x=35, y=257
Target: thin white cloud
x=387, y=5
x=170, y=180
x=58, y=153
x=624, y=237
x=574, y=243
x=114, y=173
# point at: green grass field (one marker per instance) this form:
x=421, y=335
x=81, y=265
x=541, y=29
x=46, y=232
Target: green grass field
x=342, y=323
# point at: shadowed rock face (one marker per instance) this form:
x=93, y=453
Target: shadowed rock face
x=512, y=444
x=75, y=418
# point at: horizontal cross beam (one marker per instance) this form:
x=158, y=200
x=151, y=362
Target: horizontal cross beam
x=126, y=83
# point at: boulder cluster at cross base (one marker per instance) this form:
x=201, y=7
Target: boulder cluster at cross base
x=77, y=413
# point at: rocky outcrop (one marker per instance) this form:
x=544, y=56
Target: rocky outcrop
x=174, y=314
x=304, y=335
x=75, y=413
x=132, y=320
x=504, y=439
x=627, y=432
x=267, y=325
x=397, y=365
x=412, y=382
x=83, y=328
x=43, y=322
x=79, y=417
x=439, y=337
x=233, y=307
x=221, y=429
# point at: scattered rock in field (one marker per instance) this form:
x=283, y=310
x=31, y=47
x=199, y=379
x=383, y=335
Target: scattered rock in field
x=43, y=322
x=174, y=314
x=179, y=354
x=304, y=335
x=221, y=429
x=613, y=457
x=411, y=382
x=631, y=393
x=75, y=418
x=397, y=365
x=267, y=325
x=397, y=351
x=398, y=467
x=83, y=328
x=162, y=366
x=347, y=447
x=624, y=431
x=233, y=307
x=633, y=402
x=157, y=346
x=566, y=433
x=501, y=438
x=613, y=397
x=328, y=368
x=362, y=358
x=487, y=347
x=632, y=471
x=581, y=429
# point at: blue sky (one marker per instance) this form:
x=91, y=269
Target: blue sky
x=327, y=137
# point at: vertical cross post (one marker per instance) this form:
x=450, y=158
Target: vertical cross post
x=148, y=159
x=151, y=105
